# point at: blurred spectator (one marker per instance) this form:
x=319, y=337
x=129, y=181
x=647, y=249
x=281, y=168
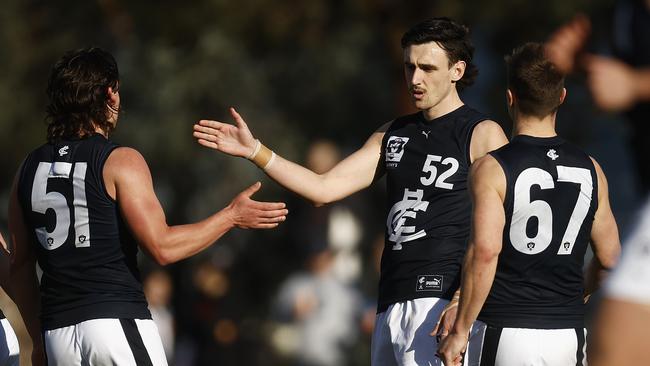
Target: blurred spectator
x=620, y=83
x=158, y=290
x=318, y=308
x=318, y=314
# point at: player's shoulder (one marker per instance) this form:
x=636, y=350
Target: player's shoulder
x=485, y=165
x=125, y=158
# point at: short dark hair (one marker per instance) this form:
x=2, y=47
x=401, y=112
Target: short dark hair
x=77, y=92
x=536, y=83
x=452, y=37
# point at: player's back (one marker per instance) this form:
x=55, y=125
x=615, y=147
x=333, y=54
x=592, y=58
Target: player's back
x=550, y=202
x=86, y=252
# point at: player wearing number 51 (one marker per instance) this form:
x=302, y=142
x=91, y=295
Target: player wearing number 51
x=538, y=202
x=81, y=206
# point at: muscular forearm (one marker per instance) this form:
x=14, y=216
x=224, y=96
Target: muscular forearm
x=174, y=243
x=478, y=275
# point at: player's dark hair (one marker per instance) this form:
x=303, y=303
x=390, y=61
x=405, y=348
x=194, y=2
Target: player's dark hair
x=77, y=91
x=536, y=83
x=452, y=37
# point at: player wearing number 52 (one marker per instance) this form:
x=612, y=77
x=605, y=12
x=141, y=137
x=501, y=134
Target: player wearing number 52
x=425, y=157
x=81, y=206
x=538, y=202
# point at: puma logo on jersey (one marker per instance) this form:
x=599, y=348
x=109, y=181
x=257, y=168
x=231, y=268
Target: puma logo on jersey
x=426, y=133
x=63, y=150
x=552, y=154
x=429, y=283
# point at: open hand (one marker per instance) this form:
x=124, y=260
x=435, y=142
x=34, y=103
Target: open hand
x=236, y=140
x=249, y=214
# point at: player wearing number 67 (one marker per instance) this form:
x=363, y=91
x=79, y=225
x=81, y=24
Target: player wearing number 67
x=82, y=205
x=538, y=202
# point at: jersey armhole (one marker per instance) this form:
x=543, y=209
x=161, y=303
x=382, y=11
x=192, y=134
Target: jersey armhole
x=108, y=153
x=468, y=143
x=507, y=197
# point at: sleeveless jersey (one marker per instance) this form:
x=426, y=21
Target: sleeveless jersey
x=85, y=250
x=428, y=220
x=551, y=198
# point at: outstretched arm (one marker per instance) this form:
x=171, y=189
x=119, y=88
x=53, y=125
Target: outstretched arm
x=487, y=185
x=352, y=174
x=129, y=181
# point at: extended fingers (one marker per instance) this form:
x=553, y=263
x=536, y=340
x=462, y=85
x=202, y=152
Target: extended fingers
x=212, y=124
x=208, y=131
x=209, y=144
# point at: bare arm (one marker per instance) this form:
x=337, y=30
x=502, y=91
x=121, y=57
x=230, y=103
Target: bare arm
x=487, y=136
x=620, y=334
x=23, y=285
x=487, y=185
x=354, y=173
x=615, y=85
x=129, y=181
x=604, y=235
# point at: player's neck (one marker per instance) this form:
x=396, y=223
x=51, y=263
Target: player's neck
x=534, y=126
x=449, y=104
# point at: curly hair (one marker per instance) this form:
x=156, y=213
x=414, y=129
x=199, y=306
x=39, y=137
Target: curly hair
x=78, y=91
x=452, y=37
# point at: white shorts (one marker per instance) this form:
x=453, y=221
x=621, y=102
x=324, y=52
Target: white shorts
x=9, y=351
x=631, y=279
x=105, y=342
x=528, y=347
x=401, y=336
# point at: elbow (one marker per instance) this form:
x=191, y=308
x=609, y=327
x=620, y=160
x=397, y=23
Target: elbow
x=319, y=203
x=609, y=261
x=163, y=259
x=485, y=252
x=159, y=255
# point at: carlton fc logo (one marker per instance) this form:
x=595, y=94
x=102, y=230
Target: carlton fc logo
x=395, y=149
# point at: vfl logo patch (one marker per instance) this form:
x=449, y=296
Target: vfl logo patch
x=395, y=149
x=429, y=283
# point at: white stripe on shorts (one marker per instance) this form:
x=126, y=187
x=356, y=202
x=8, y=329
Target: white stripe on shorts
x=104, y=342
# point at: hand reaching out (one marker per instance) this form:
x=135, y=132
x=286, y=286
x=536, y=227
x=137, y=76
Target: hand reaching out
x=235, y=140
x=249, y=214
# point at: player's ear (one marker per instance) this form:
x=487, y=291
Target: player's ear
x=458, y=70
x=562, y=95
x=510, y=98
